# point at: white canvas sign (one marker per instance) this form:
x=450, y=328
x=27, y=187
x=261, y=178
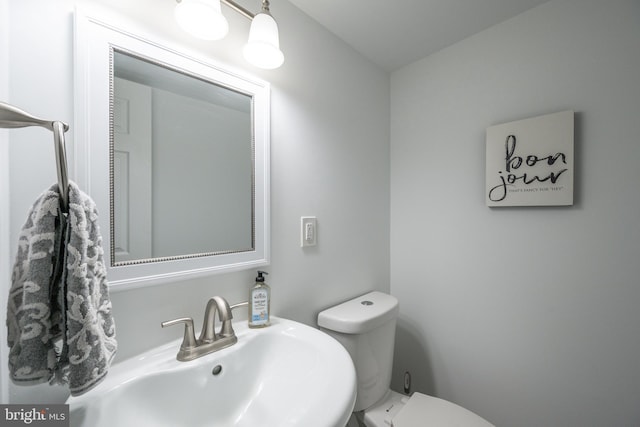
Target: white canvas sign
x=530, y=162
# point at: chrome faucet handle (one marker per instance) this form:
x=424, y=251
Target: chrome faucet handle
x=227, y=328
x=189, y=340
x=226, y=314
x=239, y=305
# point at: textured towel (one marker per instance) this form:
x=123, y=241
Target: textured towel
x=60, y=327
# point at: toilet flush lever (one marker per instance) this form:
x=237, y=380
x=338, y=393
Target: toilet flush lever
x=407, y=382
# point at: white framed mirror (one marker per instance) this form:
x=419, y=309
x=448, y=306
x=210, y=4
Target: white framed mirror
x=174, y=149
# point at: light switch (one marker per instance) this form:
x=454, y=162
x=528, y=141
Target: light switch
x=308, y=231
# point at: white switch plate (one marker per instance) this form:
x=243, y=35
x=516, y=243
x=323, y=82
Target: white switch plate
x=308, y=231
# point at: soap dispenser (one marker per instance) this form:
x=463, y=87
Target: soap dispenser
x=259, y=303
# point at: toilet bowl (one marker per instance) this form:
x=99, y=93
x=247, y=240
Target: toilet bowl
x=365, y=326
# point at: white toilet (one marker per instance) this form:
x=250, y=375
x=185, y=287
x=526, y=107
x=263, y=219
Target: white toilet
x=366, y=327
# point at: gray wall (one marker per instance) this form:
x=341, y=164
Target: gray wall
x=528, y=316
x=329, y=158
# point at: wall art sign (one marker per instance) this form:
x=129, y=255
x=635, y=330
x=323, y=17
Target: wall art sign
x=530, y=162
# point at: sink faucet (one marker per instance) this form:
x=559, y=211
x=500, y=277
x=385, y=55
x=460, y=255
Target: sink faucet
x=208, y=333
x=209, y=340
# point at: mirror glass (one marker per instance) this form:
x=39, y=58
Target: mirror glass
x=182, y=164
x=174, y=149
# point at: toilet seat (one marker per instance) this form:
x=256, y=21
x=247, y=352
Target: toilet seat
x=423, y=410
x=419, y=410
x=381, y=414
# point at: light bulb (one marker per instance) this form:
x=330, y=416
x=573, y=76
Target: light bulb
x=263, y=47
x=202, y=19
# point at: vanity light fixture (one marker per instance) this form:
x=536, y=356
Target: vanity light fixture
x=263, y=47
x=203, y=19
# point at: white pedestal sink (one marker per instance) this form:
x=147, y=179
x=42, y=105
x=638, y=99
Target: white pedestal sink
x=288, y=374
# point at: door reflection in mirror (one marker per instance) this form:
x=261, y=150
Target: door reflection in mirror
x=182, y=164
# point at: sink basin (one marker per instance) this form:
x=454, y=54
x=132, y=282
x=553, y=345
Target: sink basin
x=288, y=374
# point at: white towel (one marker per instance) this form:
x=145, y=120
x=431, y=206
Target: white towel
x=59, y=297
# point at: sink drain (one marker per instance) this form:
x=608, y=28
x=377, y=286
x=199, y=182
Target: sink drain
x=216, y=370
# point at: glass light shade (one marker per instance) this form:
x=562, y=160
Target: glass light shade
x=202, y=19
x=263, y=47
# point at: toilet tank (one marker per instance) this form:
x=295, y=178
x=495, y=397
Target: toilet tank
x=366, y=327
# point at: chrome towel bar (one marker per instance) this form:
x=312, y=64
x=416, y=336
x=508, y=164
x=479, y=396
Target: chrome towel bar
x=13, y=117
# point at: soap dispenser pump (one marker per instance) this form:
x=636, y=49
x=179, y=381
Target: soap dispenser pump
x=259, y=303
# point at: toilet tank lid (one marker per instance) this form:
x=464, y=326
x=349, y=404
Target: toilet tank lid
x=360, y=314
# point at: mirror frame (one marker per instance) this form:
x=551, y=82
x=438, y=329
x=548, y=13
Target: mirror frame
x=95, y=40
